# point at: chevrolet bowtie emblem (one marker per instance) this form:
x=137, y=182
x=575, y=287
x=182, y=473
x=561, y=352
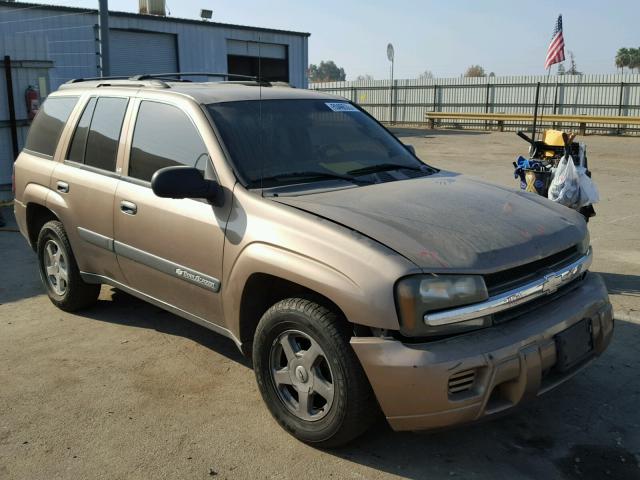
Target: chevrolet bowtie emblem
x=553, y=281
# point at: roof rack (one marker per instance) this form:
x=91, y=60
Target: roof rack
x=93, y=79
x=179, y=75
x=162, y=78
x=149, y=76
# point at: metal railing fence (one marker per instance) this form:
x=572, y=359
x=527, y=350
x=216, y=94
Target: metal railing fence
x=407, y=101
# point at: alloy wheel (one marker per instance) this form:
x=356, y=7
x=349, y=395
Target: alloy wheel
x=56, y=267
x=302, y=375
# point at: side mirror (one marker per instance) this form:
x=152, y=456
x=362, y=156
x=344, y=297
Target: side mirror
x=411, y=149
x=183, y=182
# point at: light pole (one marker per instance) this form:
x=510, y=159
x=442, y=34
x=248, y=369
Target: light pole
x=103, y=35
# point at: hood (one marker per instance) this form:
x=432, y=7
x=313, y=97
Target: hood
x=449, y=222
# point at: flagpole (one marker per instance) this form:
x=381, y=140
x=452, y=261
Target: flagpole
x=544, y=101
x=555, y=54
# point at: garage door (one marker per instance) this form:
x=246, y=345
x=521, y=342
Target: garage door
x=142, y=52
x=250, y=58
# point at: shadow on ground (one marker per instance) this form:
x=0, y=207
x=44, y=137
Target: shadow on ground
x=622, y=284
x=430, y=133
x=20, y=277
x=588, y=429
x=124, y=309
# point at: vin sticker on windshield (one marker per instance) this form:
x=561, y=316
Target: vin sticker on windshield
x=342, y=107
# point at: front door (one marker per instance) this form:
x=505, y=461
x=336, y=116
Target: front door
x=169, y=249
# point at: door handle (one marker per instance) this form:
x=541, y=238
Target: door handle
x=62, y=187
x=129, y=208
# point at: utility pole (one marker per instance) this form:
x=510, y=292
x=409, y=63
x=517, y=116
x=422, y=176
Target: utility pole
x=103, y=38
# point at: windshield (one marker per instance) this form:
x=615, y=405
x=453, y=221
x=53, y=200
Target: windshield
x=307, y=140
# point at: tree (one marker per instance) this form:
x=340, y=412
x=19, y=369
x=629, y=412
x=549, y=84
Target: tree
x=561, y=70
x=573, y=69
x=326, y=72
x=492, y=74
x=634, y=62
x=366, y=76
x=426, y=75
x=623, y=58
x=475, y=71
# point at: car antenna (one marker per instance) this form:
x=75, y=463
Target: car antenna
x=260, y=149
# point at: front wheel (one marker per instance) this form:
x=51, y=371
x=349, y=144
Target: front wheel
x=309, y=376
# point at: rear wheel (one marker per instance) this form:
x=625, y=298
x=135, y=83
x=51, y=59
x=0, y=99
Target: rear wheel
x=309, y=376
x=59, y=271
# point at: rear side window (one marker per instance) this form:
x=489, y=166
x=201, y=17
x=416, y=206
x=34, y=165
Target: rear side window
x=163, y=137
x=48, y=125
x=79, y=142
x=104, y=133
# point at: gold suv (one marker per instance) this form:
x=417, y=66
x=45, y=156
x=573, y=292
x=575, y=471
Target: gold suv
x=359, y=278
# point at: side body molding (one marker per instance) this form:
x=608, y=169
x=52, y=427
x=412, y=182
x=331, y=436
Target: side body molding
x=96, y=239
x=167, y=266
x=150, y=260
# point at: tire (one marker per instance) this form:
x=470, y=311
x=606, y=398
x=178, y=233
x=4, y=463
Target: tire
x=321, y=363
x=59, y=270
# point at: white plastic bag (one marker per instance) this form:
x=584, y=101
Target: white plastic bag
x=565, y=185
x=588, y=190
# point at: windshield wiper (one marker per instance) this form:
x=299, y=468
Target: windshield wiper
x=384, y=167
x=311, y=176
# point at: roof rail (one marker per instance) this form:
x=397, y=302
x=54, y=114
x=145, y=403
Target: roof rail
x=93, y=79
x=115, y=82
x=178, y=75
x=160, y=79
x=149, y=76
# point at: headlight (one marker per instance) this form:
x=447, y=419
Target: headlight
x=583, y=246
x=418, y=295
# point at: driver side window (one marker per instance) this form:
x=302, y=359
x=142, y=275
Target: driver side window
x=164, y=137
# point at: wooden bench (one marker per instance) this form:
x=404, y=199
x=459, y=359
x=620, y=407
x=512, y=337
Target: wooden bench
x=501, y=118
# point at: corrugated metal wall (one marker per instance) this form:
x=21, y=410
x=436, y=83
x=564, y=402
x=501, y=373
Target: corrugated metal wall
x=24, y=73
x=69, y=38
x=66, y=38
x=409, y=100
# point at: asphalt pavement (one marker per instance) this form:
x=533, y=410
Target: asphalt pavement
x=126, y=390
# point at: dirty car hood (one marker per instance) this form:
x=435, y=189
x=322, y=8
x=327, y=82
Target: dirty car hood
x=449, y=222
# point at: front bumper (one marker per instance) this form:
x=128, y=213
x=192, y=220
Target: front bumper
x=469, y=377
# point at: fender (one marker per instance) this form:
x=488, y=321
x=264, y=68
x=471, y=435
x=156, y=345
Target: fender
x=57, y=204
x=33, y=193
x=346, y=292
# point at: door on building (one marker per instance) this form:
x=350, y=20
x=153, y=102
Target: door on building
x=268, y=60
x=135, y=52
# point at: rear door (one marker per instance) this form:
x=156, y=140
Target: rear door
x=86, y=183
x=169, y=249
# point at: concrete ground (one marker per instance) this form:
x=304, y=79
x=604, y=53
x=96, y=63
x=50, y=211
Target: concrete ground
x=125, y=390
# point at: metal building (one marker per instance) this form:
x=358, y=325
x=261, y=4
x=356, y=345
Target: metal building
x=49, y=45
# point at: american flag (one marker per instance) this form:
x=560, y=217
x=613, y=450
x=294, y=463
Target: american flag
x=555, y=54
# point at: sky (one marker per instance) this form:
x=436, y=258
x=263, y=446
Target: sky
x=445, y=37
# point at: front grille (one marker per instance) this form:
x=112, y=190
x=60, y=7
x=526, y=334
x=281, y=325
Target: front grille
x=462, y=382
x=525, y=308
x=505, y=280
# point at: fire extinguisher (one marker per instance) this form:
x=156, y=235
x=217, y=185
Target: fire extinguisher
x=33, y=101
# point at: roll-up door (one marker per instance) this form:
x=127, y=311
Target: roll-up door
x=134, y=52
